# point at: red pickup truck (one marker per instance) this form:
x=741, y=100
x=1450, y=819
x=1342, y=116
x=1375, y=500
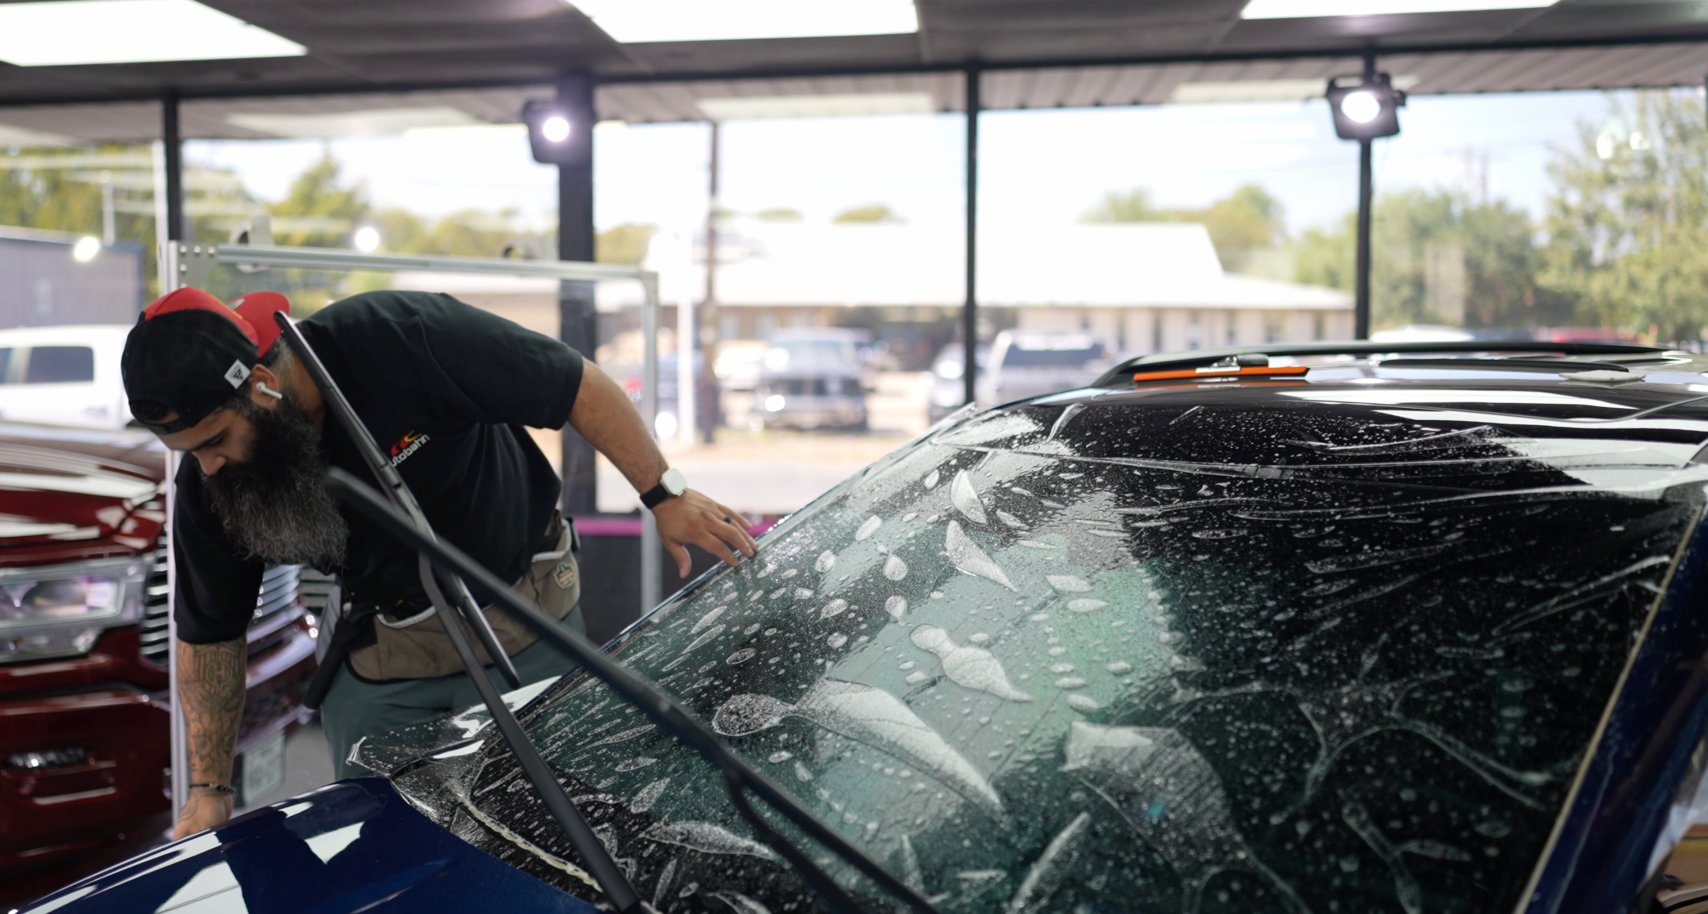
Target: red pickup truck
x=84, y=703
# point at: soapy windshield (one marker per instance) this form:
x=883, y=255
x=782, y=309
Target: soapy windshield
x=1043, y=660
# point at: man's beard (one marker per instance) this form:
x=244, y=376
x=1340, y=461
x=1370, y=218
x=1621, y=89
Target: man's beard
x=275, y=504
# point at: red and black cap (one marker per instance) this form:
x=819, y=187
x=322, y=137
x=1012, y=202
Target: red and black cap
x=189, y=354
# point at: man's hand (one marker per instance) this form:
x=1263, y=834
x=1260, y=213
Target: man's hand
x=694, y=518
x=211, y=680
x=203, y=811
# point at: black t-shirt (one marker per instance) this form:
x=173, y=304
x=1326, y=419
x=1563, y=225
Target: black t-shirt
x=446, y=389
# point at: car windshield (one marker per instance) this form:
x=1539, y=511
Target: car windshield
x=1018, y=357
x=808, y=354
x=1143, y=656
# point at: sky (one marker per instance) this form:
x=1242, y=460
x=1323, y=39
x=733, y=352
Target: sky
x=1041, y=168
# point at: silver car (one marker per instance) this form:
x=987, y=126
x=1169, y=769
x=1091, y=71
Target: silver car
x=1024, y=365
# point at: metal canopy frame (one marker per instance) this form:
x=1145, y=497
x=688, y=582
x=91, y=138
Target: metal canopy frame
x=189, y=265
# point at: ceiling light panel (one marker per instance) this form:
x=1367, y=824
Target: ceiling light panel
x=1303, y=9
x=349, y=124
x=73, y=32
x=639, y=21
x=776, y=107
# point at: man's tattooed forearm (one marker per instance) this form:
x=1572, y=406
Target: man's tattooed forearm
x=211, y=680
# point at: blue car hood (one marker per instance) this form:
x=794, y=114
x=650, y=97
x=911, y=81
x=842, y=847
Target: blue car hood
x=352, y=846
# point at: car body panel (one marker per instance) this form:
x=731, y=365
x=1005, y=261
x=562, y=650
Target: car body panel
x=1386, y=638
x=1223, y=462
x=353, y=846
x=71, y=495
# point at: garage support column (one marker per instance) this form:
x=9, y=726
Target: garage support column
x=579, y=321
x=1366, y=193
x=172, y=151
x=170, y=184
x=969, y=310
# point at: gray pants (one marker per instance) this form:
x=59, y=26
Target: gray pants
x=354, y=709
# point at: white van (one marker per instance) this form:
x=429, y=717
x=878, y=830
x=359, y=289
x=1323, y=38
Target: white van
x=64, y=376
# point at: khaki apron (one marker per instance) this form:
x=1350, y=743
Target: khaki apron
x=418, y=648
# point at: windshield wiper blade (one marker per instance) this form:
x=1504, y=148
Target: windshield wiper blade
x=407, y=511
x=739, y=778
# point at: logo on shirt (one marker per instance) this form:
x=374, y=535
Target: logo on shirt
x=407, y=445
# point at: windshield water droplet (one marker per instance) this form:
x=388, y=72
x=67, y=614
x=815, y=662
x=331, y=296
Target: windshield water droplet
x=826, y=561
x=894, y=568
x=896, y=607
x=966, y=499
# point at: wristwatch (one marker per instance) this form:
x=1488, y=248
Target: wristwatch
x=671, y=485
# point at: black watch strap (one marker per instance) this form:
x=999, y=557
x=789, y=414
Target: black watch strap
x=655, y=496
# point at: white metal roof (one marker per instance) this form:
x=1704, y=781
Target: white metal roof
x=843, y=265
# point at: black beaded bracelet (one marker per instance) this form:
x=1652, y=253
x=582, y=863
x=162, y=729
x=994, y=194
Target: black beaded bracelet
x=216, y=788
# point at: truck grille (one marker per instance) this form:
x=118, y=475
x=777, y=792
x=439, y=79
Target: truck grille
x=283, y=588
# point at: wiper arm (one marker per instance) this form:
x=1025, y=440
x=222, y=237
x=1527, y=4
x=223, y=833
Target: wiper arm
x=406, y=511
x=739, y=778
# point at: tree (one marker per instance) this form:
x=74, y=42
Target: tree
x=1627, y=224
x=59, y=189
x=1244, y=222
x=318, y=211
x=1436, y=257
x=871, y=213
x=626, y=243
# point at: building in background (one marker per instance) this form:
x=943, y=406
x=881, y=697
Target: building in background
x=48, y=279
x=1140, y=287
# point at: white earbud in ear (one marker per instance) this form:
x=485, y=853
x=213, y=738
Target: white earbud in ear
x=262, y=387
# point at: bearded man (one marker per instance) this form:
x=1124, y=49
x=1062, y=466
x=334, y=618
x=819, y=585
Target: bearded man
x=454, y=388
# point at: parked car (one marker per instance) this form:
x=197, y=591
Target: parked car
x=83, y=645
x=739, y=364
x=66, y=376
x=812, y=379
x=667, y=421
x=1032, y=364
x=948, y=391
x=1306, y=630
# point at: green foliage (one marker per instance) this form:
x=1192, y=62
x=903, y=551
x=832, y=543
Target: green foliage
x=624, y=243
x=779, y=214
x=317, y=210
x=1628, y=223
x=1436, y=258
x=876, y=212
x=60, y=190
x=1245, y=222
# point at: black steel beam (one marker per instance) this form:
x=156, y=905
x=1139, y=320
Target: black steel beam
x=970, y=310
x=172, y=144
x=579, y=326
x=312, y=89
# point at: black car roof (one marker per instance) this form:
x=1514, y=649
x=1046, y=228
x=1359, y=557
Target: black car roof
x=1565, y=382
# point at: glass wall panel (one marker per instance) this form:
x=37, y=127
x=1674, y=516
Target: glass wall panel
x=838, y=280
x=78, y=186
x=1132, y=230
x=1554, y=216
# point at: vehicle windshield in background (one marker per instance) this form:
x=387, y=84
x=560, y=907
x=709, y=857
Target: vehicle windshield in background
x=799, y=355
x=1141, y=655
x=1050, y=358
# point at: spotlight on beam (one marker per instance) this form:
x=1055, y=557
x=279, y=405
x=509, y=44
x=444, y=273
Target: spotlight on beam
x=553, y=133
x=1366, y=107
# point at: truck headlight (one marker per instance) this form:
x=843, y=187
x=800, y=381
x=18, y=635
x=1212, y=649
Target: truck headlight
x=60, y=610
x=774, y=403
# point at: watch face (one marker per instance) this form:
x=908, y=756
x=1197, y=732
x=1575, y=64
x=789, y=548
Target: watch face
x=674, y=482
